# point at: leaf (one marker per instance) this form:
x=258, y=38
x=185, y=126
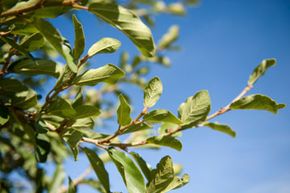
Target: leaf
x=152, y=92
x=142, y=164
x=33, y=42
x=124, y=111
x=195, y=109
x=42, y=148
x=106, y=73
x=222, y=128
x=55, y=39
x=61, y=107
x=257, y=102
x=137, y=127
x=14, y=45
x=23, y=5
x=84, y=111
x=176, y=8
x=260, y=70
x=4, y=115
x=105, y=45
x=130, y=173
x=126, y=21
x=169, y=38
x=162, y=177
x=79, y=44
x=165, y=141
x=20, y=95
x=177, y=183
x=161, y=115
x=35, y=67
x=99, y=168
x=73, y=140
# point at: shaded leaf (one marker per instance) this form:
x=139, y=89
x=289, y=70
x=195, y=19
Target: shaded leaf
x=126, y=21
x=4, y=115
x=42, y=148
x=124, y=111
x=33, y=42
x=35, y=67
x=260, y=70
x=130, y=173
x=195, y=109
x=79, y=44
x=152, y=92
x=257, y=102
x=161, y=115
x=165, y=141
x=99, y=168
x=73, y=140
x=71, y=186
x=105, y=45
x=83, y=111
x=107, y=73
x=61, y=107
x=222, y=128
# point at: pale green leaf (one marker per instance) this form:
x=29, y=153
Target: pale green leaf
x=57, y=179
x=260, y=70
x=124, y=111
x=130, y=173
x=169, y=38
x=126, y=21
x=222, y=128
x=107, y=73
x=177, y=183
x=105, y=45
x=167, y=141
x=143, y=165
x=99, y=168
x=257, y=102
x=152, y=92
x=161, y=115
x=79, y=44
x=195, y=109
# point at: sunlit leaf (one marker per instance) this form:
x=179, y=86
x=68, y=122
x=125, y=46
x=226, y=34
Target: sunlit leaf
x=152, y=92
x=165, y=141
x=222, y=128
x=105, y=45
x=161, y=115
x=79, y=44
x=260, y=70
x=124, y=111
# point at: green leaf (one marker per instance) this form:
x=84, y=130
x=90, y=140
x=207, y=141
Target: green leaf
x=176, y=8
x=79, y=44
x=61, y=107
x=55, y=39
x=99, y=168
x=152, y=92
x=143, y=165
x=35, y=67
x=23, y=5
x=257, y=102
x=84, y=111
x=51, y=11
x=137, y=127
x=161, y=115
x=14, y=45
x=195, y=109
x=130, y=173
x=107, y=73
x=124, y=111
x=20, y=95
x=169, y=38
x=260, y=70
x=4, y=115
x=126, y=21
x=73, y=140
x=71, y=186
x=177, y=183
x=32, y=42
x=165, y=141
x=105, y=45
x=222, y=128
x=162, y=177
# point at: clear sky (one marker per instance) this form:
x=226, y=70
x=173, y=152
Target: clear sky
x=222, y=41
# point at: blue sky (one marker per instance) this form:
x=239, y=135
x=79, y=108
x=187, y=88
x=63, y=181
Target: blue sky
x=222, y=41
